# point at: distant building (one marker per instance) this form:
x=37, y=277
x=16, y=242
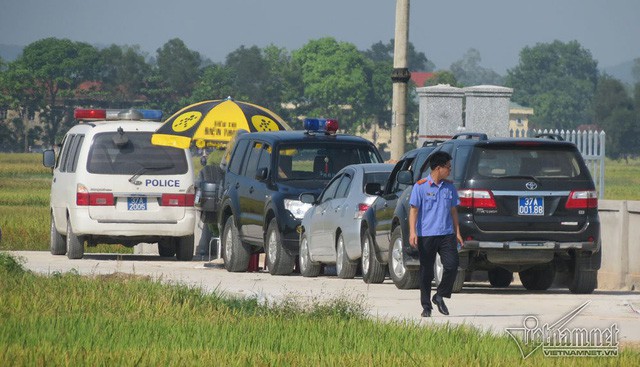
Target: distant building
x=420, y=78
x=519, y=119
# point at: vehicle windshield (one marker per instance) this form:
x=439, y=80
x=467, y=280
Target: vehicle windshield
x=135, y=157
x=547, y=162
x=320, y=161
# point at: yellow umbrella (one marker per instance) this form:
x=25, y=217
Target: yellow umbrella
x=213, y=123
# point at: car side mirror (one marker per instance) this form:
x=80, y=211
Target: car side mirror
x=372, y=188
x=405, y=177
x=308, y=198
x=49, y=158
x=262, y=174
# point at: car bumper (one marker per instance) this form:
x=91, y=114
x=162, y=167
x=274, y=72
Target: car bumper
x=83, y=225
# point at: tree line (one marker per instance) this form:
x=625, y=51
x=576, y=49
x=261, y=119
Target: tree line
x=325, y=77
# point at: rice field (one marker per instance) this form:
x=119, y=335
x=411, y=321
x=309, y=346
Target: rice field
x=129, y=320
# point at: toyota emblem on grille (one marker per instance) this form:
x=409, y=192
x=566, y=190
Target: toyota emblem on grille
x=531, y=185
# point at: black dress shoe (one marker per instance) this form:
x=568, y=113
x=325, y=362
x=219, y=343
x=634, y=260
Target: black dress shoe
x=439, y=301
x=426, y=313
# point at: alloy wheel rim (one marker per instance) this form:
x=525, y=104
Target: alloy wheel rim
x=228, y=251
x=365, y=256
x=397, y=260
x=304, y=254
x=339, y=256
x=273, y=251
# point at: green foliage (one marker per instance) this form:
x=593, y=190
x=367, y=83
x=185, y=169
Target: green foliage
x=558, y=80
x=123, y=70
x=443, y=77
x=416, y=61
x=178, y=68
x=335, y=81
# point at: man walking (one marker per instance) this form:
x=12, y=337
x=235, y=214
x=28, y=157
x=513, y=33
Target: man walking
x=434, y=229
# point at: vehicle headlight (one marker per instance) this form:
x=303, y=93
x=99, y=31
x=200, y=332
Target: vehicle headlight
x=296, y=207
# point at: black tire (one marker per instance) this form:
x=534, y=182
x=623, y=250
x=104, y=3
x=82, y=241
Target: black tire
x=372, y=270
x=184, y=248
x=539, y=277
x=57, y=245
x=215, y=175
x=584, y=280
x=236, y=255
x=402, y=277
x=345, y=269
x=279, y=261
x=308, y=268
x=75, y=244
x=459, y=282
x=500, y=277
x=167, y=247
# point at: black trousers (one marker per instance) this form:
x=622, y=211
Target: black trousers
x=428, y=247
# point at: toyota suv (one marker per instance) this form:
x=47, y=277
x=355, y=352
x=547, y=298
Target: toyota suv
x=527, y=206
x=254, y=195
x=112, y=186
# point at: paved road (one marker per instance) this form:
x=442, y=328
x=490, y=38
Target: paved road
x=478, y=304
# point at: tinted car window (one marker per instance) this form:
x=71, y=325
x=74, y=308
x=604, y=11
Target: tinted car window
x=330, y=192
x=321, y=160
x=236, y=162
x=376, y=177
x=343, y=188
x=252, y=161
x=72, y=162
x=136, y=155
x=547, y=162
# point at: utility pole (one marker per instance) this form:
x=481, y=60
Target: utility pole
x=400, y=76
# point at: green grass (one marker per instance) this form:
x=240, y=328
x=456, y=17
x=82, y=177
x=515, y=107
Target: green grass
x=622, y=179
x=66, y=319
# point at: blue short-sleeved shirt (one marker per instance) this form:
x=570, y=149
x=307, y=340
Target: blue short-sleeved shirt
x=434, y=203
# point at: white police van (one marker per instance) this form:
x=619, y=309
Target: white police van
x=112, y=186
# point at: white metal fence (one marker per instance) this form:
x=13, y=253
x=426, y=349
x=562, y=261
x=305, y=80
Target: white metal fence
x=590, y=143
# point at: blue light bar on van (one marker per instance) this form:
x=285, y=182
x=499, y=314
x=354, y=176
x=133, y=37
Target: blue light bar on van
x=329, y=126
x=155, y=115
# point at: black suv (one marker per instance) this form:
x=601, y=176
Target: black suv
x=254, y=197
x=527, y=206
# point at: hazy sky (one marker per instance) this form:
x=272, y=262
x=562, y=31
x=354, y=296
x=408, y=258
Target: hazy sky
x=443, y=30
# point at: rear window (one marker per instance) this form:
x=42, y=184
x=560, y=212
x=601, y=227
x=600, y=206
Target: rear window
x=319, y=160
x=134, y=155
x=539, y=162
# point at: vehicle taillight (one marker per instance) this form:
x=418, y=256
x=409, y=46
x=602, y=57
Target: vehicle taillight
x=177, y=199
x=362, y=208
x=477, y=199
x=582, y=200
x=86, y=198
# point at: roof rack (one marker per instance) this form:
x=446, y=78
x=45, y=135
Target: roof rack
x=432, y=143
x=549, y=136
x=478, y=136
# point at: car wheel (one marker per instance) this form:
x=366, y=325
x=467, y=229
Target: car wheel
x=236, y=255
x=279, y=261
x=308, y=268
x=584, y=280
x=167, y=247
x=438, y=271
x=58, y=244
x=75, y=244
x=539, y=277
x=184, y=250
x=500, y=277
x=402, y=277
x=345, y=269
x=372, y=270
